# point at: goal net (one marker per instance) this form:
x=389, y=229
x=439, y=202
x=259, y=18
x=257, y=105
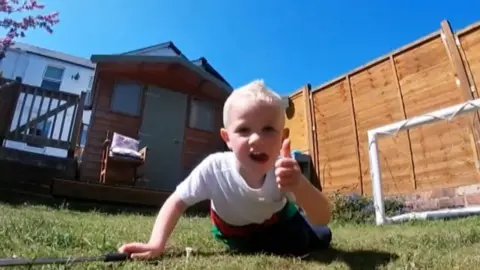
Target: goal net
x=444, y=114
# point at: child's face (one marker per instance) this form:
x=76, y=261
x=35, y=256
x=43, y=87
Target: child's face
x=255, y=133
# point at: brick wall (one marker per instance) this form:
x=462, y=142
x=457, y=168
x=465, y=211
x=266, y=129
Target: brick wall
x=453, y=197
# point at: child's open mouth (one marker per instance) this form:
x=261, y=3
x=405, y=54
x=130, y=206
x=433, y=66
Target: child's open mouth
x=259, y=157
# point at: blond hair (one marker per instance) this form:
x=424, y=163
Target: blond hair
x=255, y=91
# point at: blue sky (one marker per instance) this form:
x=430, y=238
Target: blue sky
x=287, y=43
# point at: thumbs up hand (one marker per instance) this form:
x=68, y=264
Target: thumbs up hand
x=287, y=170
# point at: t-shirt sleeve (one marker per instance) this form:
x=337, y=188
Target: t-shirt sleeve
x=196, y=187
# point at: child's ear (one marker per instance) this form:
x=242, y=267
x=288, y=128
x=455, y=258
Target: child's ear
x=224, y=135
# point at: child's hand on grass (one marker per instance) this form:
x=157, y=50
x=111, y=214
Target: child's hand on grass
x=141, y=251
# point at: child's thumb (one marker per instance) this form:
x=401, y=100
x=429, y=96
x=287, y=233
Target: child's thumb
x=285, y=151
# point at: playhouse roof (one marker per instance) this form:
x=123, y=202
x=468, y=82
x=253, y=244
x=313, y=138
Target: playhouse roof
x=164, y=48
x=169, y=53
x=139, y=59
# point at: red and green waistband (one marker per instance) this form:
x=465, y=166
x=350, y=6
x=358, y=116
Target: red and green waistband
x=226, y=232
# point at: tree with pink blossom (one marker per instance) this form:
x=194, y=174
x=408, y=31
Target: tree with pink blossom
x=17, y=28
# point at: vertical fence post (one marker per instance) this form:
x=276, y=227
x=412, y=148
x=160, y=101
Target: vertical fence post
x=9, y=94
x=77, y=124
x=310, y=129
x=451, y=46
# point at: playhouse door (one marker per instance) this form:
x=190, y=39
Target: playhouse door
x=162, y=132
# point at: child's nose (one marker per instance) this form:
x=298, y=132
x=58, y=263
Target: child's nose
x=254, y=138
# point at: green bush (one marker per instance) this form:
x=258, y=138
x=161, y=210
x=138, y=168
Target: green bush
x=353, y=208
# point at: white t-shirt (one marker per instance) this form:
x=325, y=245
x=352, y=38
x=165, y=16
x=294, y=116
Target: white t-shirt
x=216, y=178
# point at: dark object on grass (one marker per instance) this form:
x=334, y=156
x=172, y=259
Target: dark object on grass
x=109, y=257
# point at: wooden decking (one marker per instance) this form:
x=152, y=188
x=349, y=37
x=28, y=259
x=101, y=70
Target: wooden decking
x=67, y=165
x=90, y=195
x=107, y=194
x=57, y=177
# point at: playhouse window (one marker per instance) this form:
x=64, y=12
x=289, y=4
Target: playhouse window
x=52, y=78
x=202, y=115
x=126, y=98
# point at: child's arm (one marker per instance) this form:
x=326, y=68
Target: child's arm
x=193, y=189
x=165, y=222
x=290, y=178
x=313, y=202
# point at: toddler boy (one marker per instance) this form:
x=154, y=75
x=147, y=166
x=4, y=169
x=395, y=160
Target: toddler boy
x=254, y=192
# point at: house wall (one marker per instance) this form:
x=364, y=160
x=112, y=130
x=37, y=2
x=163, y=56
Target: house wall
x=196, y=143
x=31, y=68
x=421, y=77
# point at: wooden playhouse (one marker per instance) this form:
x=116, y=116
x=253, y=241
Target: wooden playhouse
x=171, y=105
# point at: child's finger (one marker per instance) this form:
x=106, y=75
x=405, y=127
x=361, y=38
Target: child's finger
x=285, y=151
x=134, y=248
x=148, y=255
x=286, y=162
x=284, y=172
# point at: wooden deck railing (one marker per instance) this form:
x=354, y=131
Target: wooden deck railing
x=80, y=146
x=9, y=92
x=46, y=118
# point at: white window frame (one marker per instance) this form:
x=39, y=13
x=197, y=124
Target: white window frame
x=54, y=80
x=90, y=83
x=199, y=111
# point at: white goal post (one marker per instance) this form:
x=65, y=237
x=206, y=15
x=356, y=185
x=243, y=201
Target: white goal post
x=375, y=172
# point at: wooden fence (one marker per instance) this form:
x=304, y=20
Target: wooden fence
x=331, y=121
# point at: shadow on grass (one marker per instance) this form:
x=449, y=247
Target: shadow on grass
x=355, y=260
x=179, y=254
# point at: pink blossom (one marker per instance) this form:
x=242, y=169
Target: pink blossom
x=17, y=28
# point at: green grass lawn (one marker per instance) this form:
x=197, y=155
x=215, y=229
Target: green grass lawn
x=33, y=231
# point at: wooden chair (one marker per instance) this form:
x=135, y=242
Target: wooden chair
x=121, y=159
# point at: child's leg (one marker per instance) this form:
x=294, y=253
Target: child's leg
x=321, y=235
x=292, y=236
x=288, y=237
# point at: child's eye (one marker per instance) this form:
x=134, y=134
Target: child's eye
x=242, y=130
x=268, y=129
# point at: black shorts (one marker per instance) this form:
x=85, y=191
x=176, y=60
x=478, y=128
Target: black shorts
x=290, y=236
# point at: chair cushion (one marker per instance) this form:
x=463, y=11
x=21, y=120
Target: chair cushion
x=124, y=146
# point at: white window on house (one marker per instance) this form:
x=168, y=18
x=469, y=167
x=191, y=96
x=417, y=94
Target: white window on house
x=202, y=115
x=52, y=79
x=126, y=98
